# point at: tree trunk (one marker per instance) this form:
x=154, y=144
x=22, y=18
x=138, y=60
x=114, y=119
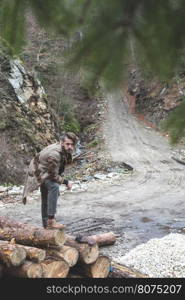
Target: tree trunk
x=120, y=271
x=54, y=268
x=7, y=222
x=102, y=239
x=27, y=270
x=11, y=255
x=32, y=237
x=99, y=269
x=32, y=253
x=69, y=254
x=41, y=236
x=87, y=254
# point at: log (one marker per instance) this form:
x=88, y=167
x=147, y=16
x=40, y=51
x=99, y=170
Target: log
x=87, y=254
x=69, y=254
x=32, y=253
x=99, y=269
x=7, y=222
x=57, y=236
x=27, y=270
x=54, y=268
x=103, y=239
x=121, y=271
x=11, y=255
x=33, y=237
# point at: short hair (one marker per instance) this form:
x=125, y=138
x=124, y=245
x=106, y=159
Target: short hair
x=69, y=135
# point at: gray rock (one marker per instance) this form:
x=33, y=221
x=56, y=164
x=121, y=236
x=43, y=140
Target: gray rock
x=87, y=178
x=3, y=189
x=112, y=174
x=100, y=176
x=16, y=190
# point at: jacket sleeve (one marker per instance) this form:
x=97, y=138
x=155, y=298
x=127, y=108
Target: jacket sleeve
x=53, y=169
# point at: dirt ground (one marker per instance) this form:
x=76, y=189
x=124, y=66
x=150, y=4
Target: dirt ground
x=147, y=203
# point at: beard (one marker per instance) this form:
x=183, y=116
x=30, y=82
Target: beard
x=69, y=151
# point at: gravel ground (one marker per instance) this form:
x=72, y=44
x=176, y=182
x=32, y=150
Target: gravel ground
x=159, y=257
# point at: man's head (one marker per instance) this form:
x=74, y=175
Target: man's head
x=69, y=141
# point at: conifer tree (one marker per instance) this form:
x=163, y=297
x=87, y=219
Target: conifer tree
x=109, y=33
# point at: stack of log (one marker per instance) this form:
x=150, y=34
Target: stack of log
x=33, y=252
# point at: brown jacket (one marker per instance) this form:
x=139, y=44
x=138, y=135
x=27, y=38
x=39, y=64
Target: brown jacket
x=48, y=164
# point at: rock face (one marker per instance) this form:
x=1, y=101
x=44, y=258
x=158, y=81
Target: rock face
x=152, y=100
x=27, y=123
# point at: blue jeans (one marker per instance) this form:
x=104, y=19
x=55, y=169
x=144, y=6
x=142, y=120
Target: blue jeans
x=49, y=196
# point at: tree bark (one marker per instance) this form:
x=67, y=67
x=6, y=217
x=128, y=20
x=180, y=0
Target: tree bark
x=57, y=236
x=11, y=255
x=26, y=270
x=33, y=237
x=99, y=269
x=103, y=239
x=54, y=268
x=32, y=253
x=7, y=222
x=69, y=254
x=120, y=271
x=87, y=254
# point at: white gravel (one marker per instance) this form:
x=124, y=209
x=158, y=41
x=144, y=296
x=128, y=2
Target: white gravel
x=159, y=257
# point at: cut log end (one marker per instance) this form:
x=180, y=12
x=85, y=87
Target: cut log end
x=60, y=237
x=34, y=271
x=18, y=257
x=41, y=255
x=100, y=268
x=11, y=255
x=69, y=254
x=55, y=269
x=89, y=253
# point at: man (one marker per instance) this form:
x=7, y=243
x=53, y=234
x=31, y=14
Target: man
x=47, y=168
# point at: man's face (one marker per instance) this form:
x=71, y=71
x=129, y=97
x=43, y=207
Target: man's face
x=68, y=145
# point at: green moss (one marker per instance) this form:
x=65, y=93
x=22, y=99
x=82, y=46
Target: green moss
x=8, y=184
x=73, y=125
x=94, y=143
x=70, y=121
x=88, y=129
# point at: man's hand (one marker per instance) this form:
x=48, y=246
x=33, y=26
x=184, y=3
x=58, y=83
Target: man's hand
x=69, y=186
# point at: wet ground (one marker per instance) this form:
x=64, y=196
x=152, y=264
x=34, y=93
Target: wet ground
x=146, y=203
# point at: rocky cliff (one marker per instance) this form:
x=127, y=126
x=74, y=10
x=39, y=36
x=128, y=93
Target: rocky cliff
x=27, y=123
